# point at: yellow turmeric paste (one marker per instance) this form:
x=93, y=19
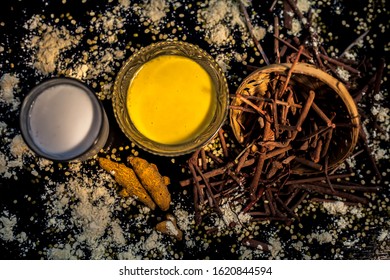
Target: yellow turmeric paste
x=171, y=99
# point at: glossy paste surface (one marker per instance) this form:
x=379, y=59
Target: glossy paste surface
x=171, y=99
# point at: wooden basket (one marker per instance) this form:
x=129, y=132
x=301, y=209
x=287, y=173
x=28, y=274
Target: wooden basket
x=331, y=95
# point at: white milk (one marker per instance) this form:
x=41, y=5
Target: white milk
x=61, y=119
x=65, y=121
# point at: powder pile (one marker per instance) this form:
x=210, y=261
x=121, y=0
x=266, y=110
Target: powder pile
x=334, y=208
x=47, y=43
x=276, y=246
x=323, y=237
x=10, y=233
x=8, y=87
x=153, y=13
x=219, y=19
x=13, y=154
x=232, y=214
x=155, y=10
x=7, y=224
x=91, y=215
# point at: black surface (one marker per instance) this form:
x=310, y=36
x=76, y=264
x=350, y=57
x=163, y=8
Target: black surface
x=15, y=13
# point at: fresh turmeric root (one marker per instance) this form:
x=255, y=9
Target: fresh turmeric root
x=153, y=182
x=126, y=177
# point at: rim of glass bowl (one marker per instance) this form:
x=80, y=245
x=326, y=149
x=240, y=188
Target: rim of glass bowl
x=135, y=62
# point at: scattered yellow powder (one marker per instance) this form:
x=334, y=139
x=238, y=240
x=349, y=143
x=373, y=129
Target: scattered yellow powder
x=259, y=32
x=216, y=13
x=8, y=84
x=49, y=47
x=155, y=10
x=219, y=34
x=304, y=5
x=124, y=3
x=18, y=146
x=296, y=27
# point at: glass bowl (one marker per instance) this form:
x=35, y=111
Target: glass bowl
x=130, y=69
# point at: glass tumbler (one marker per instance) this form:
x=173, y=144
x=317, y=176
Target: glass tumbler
x=62, y=119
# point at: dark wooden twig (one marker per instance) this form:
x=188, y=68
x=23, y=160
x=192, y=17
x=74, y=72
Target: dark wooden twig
x=309, y=163
x=223, y=143
x=327, y=174
x=347, y=186
x=320, y=113
x=296, y=10
x=326, y=190
x=215, y=158
x=304, y=112
x=287, y=11
x=198, y=215
x=285, y=207
x=317, y=179
x=250, y=28
x=354, y=43
x=241, y=108
x=368, y=150
x=339, y=63
x=255, y=244
x=198, y=197
x=276, y=42
x=300, y=200
x=208, y=189
x=256, y=177
x=290, y=71
x=259, y=110
x=378, y=76
x=252, y=203
x=327, y=141
x=242, y=159
x=204, y=159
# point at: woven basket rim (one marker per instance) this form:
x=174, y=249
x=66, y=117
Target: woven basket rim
x=310, y=70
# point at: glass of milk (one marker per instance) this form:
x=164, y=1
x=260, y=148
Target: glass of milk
x=61, y=119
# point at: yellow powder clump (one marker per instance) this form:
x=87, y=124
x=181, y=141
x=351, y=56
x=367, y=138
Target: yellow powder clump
x=259, y=32
x=155, y=10
x=8, y=84
x=48, y=43
x=49, y=49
